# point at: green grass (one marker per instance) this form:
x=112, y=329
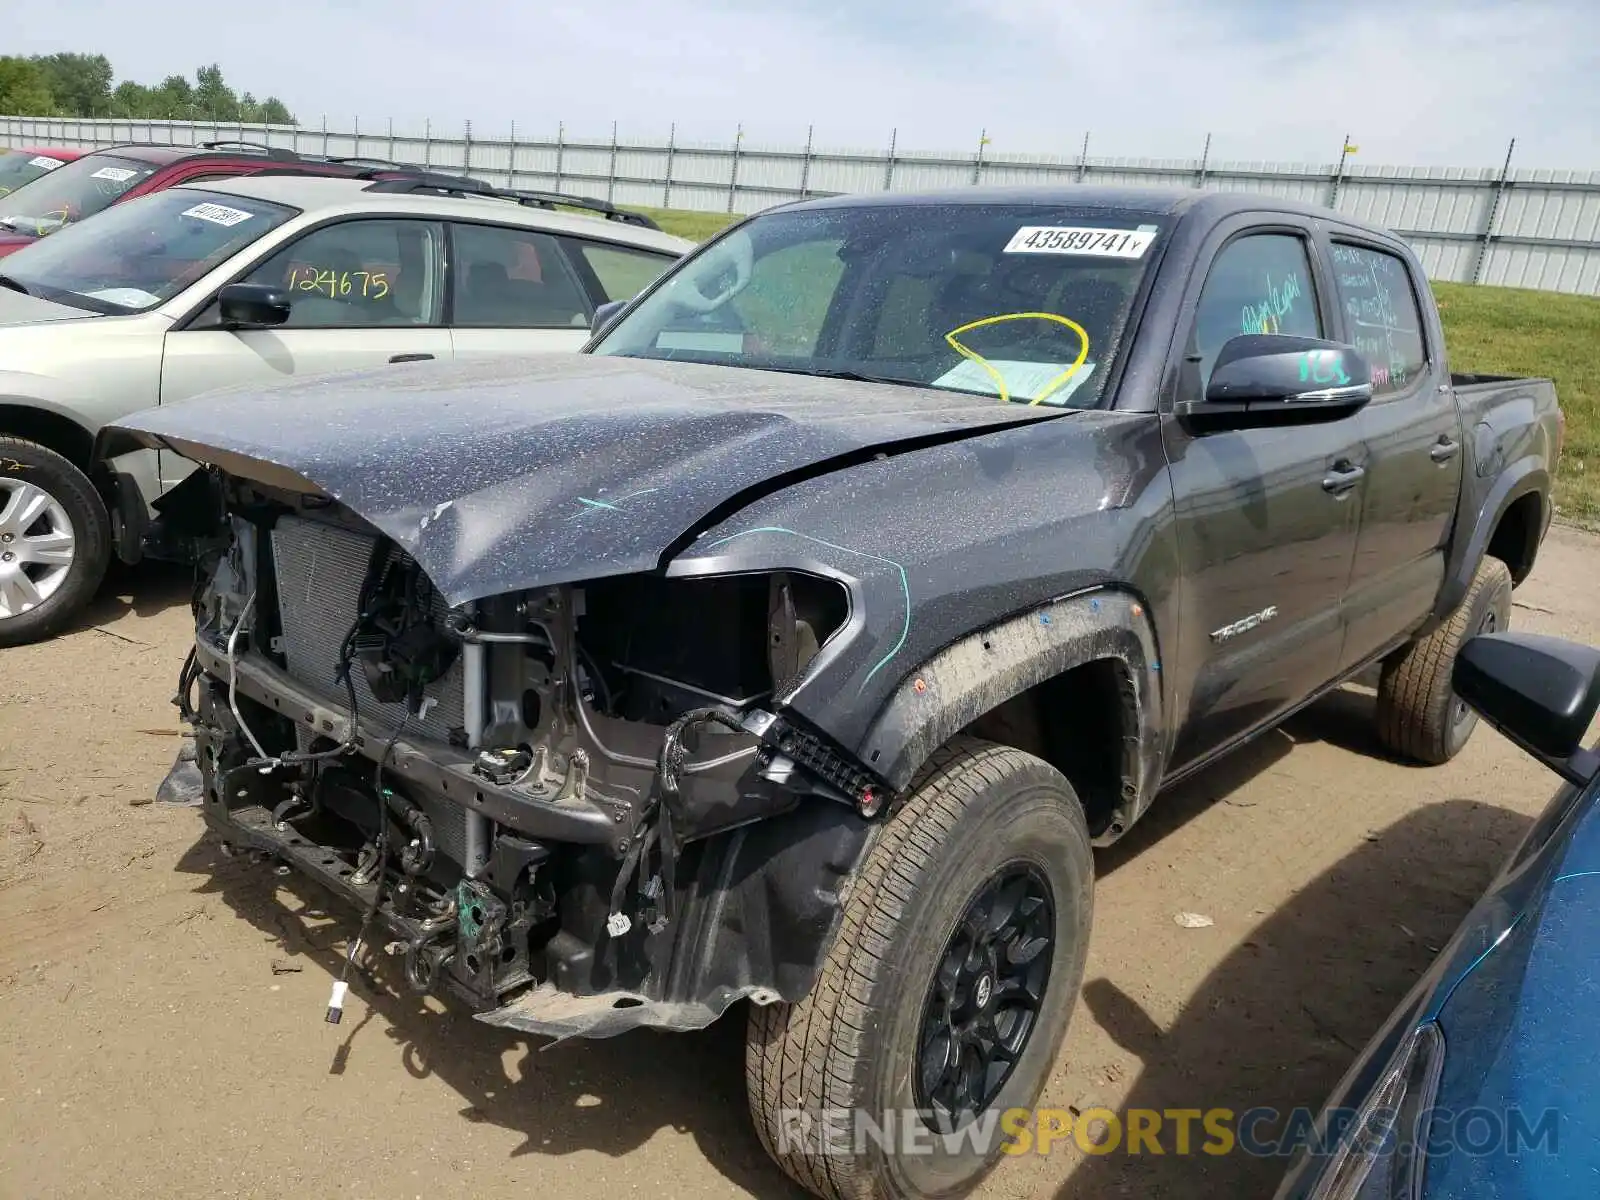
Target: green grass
x=1488, y=330
x=696, y=226
x=1513, y=331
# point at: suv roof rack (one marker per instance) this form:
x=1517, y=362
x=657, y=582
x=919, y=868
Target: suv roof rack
x=280, y=153
x=377, y=171
x=376, y=163
x=461, y=185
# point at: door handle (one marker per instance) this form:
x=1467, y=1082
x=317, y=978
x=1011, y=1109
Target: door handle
x=1444, y=450
x=394, y=358
x=1342, y=477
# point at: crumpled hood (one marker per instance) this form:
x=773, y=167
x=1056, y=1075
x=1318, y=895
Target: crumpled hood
x=506, y=474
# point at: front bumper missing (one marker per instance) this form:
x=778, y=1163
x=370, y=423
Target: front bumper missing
x=753, y=922
x=543, y=1010
x=592, y=821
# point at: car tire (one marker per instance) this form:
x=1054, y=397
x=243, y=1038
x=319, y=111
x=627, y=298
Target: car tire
x=38, y=595
x=1419, y=715
x=985, y=825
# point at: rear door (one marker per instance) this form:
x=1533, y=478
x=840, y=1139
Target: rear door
x=1266, y=518
x=364, y=292
x=512, y=291
x=1412, y=432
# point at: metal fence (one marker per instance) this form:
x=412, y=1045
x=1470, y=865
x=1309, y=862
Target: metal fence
x=1496, y=225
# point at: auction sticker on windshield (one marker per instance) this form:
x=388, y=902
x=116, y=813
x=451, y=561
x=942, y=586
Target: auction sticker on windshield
x=218, y=214
x=1075, y=239
x=115, y=174
x=45, y=161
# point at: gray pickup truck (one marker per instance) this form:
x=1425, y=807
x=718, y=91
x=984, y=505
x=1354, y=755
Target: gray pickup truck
x=795, y=643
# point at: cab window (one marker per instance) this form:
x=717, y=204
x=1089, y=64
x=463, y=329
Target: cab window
x=1382, y=317
x=358, y=274
x=1260, y=283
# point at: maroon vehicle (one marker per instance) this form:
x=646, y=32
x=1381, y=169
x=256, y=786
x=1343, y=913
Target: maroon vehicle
x=97, y=180
x=26, y=163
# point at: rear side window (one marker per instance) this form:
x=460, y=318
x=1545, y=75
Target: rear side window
x=358, y=274
x=623, y=272
x=1382, y=314
x=513, y=279
x=1261, y=283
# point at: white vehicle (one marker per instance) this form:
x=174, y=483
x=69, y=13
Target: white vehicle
x=250, y=280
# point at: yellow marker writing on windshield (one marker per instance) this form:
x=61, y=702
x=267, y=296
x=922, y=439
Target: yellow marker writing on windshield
x=999, y=379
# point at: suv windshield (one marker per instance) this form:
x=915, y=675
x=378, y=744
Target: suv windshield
x=1019, y=302
x=18, y=167
x=144, y=252
x=70, y=193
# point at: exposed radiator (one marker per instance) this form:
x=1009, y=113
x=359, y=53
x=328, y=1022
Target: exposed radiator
x=320, y=569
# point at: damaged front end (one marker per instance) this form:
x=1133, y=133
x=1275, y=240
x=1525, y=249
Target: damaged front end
x=581, y=808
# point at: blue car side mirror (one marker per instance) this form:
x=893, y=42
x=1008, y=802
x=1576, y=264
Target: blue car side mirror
x=1541, y=692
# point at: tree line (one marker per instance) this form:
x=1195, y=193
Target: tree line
x=82, y=85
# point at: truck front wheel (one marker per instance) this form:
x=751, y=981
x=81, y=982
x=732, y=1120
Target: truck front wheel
x=945, y=997
x=55, y=541
x=1420, y=717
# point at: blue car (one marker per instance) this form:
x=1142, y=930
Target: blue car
x=1485, y=1082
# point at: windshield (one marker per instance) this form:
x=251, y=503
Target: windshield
x=70, y=193
x=18, y=167
x=144, y=252
x=1020, y=302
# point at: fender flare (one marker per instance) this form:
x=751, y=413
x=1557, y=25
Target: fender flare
x=983, y=670
x=1519, y=479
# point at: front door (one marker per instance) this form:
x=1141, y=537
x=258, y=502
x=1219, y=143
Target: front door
x=1266, y=518
x=363, y=293
x=1413, y=437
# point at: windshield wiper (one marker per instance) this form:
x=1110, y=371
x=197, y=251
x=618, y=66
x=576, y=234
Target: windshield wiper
x=14, y=285
x=841, y=373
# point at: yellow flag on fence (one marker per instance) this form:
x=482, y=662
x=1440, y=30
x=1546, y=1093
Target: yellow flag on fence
x=1351, y=148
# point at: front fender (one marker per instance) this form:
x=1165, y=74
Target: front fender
x=980, y=672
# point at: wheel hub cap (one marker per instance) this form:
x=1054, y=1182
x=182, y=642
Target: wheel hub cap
x=984, y=1000
x=39, y=546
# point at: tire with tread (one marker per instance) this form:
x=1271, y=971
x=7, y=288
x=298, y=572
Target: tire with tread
x=851, y=1043
x=1417, y=707
x=91, y=530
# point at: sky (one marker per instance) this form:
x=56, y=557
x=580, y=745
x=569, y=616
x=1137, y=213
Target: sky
x=1413, y=82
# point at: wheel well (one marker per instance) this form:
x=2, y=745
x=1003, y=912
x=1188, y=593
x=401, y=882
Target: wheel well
x=50, y=430
x=1083, y=723
x=1515, y=540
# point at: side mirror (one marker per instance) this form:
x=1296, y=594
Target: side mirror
x=1541, y=692
x=1267, y=379
x=604, y=315
x=252, y=305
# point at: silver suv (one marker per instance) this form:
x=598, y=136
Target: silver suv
x=243, y=281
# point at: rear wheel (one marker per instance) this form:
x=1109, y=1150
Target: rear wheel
x=1420, y=717
x=55, y=541
x=945, y=997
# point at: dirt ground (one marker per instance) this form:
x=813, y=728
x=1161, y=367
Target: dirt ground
x=161, y=1007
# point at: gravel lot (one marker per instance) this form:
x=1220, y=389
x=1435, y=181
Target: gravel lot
x=161, y=1030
